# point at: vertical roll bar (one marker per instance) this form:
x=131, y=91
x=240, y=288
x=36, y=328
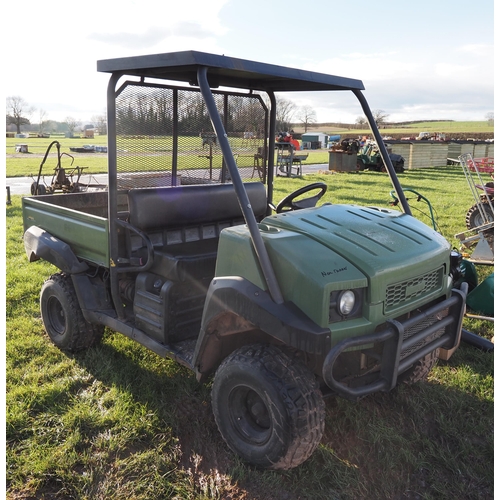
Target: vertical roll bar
x=113, y=195
x=270, y=150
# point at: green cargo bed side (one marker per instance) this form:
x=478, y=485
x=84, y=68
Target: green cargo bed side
x=86, y=234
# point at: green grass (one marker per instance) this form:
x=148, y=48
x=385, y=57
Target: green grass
x=26, y=164
x=152, y=154
x=119, y=422
x=29, y=164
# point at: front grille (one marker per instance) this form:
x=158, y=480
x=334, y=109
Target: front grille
x=405, y=291
x=425, y=323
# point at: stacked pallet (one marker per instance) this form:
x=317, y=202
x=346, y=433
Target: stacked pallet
x=454, y=150
x=467, y=147
x=403, y=149
x=422, y=154
x=428, y=154
x=480, y=150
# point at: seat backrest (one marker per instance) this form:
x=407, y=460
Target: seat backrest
x=166, y=207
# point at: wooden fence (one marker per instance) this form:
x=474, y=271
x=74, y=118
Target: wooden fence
x=422, y=154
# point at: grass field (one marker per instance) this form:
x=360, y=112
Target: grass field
x=118, y=422
x=28, y=164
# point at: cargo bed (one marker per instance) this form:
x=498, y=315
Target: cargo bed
x=80, y=220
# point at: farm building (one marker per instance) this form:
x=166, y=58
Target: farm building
x=314, y=140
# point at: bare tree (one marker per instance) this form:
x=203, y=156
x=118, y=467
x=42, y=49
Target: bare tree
x=100, y=123
x=307, y=116
x=490, y=118
x=361, y=121
x=18, y=112
x=285, y=110
x=379, y=116
x=71, y=123
x=42, y=120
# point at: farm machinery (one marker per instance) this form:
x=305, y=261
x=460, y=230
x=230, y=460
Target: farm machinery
x=479, y=219
x=63, y=180
x=369, y=158
x=479, y=236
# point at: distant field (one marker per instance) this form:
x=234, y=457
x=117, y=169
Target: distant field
x=450, y=128
x=28, y=164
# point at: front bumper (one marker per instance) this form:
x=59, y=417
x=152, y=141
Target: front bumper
x=403, y=344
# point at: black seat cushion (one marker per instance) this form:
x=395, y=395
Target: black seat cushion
x=195, y=260
x=168, y=207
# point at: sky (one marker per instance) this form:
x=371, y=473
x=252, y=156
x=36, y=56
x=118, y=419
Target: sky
x=418, y=60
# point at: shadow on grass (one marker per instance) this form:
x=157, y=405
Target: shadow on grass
x=431, y=440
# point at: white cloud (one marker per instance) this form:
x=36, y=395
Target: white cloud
x=53, y=64
x=64, y=80
x=480, y=49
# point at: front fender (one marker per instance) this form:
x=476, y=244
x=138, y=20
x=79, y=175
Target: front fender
x=39, y=244
x=235, y=307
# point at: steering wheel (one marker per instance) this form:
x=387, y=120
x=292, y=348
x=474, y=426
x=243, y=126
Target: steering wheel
x=288, y=203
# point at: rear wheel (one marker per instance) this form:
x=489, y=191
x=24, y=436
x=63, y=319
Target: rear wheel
x=474, y=217
x=399, y=166
x=63, y=318
x=37, y=189
x=268, y=407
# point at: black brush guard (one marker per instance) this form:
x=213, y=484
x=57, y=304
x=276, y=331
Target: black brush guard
x=395, y=343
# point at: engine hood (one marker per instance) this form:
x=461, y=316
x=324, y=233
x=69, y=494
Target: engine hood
x=385, y=245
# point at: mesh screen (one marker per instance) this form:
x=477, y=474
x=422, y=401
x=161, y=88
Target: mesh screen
x=165, y=136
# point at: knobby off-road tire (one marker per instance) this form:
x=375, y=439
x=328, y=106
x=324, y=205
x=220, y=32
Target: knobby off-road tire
x=421, y=369
x=268, y=407
x=63, y=318
x=474, y=218
x=399, y=166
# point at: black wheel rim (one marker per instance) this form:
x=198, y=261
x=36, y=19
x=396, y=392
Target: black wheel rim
x=56, y=315
x=249, y=415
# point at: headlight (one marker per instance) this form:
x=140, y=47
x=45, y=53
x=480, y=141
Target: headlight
x=346, y=302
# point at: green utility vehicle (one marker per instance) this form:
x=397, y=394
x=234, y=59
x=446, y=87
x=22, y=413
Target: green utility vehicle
x=186, y=254
x=369, y=158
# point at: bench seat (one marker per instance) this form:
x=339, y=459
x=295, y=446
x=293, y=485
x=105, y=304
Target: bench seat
x=184, y=224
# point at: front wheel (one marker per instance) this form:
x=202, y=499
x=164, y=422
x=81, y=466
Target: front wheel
x=421, y=369
x=268, y=407
x=63, y=318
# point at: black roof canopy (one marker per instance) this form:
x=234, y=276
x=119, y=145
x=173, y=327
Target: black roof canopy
x=227, y=72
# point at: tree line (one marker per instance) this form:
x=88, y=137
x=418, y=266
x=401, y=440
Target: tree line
x=22, y=116
x=144, y=115
x=150, y=117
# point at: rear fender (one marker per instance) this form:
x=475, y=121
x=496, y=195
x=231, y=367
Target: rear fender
x=39, y=244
